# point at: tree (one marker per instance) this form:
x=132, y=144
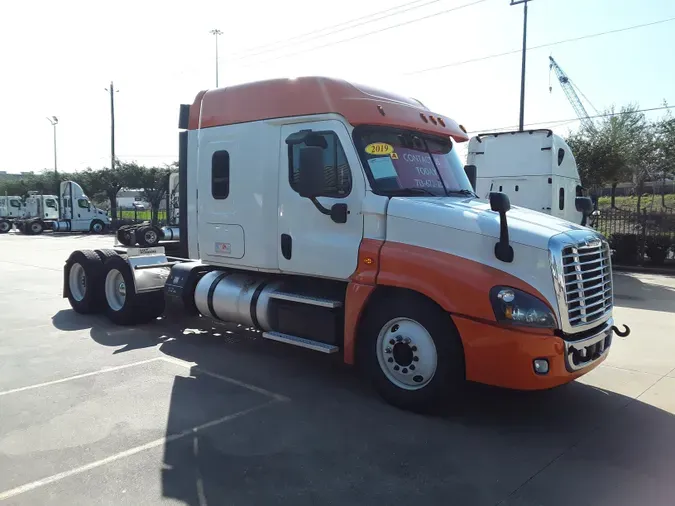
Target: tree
x=109, y=181
x=154, y=182
x=665, y=144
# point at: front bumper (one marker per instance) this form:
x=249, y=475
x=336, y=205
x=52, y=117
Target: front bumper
x=504, y=357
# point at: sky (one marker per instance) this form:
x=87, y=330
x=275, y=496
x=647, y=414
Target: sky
x=58, y=58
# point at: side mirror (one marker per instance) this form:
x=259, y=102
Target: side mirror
x=311, y=175
x=471, y=173
x=585, y=206
x=499, y=202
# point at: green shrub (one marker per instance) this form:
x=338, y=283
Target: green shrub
x=658, y=247
x=625, y=248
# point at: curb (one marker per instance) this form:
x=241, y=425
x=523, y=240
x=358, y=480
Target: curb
x=664, y=271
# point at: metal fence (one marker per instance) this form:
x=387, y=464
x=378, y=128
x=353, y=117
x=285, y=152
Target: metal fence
x=638, y=236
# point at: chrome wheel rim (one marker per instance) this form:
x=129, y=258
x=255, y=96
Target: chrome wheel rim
x=35, y=227
x=150, y=236
x=115, y=290
x=98, y=227
x=77, y=282
x=406, y=353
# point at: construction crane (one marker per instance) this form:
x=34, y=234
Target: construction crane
x=571, y=94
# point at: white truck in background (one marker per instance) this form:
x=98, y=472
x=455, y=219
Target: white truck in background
x=339, y=218
x=70, y=211
x=146, y=234
x=535, y=168
x=11, y=208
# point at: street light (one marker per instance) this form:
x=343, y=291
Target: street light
x=54, y=121
x=216, y=32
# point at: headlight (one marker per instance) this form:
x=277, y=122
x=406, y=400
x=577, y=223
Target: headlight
x=520, y=308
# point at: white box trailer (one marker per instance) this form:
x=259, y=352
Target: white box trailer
x=339, y=218
x=535, y=168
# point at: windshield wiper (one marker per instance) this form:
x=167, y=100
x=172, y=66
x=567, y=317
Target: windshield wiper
x=411, y=191
x=462, y=192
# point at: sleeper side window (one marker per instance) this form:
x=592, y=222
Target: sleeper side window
x=220, y=175
x=561, y=199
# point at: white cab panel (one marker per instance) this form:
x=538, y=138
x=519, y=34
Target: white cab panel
x=235, y=218
x=319, y=246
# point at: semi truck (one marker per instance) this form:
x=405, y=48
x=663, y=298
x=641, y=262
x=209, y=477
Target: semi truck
x=11, y=208
x=339, y=218
x=147, y=234
x=535, y=168
x=70, y=211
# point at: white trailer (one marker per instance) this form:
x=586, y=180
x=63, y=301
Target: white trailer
x=70, y=211
x=339, y=218
x=11, y=208
x=535, y=168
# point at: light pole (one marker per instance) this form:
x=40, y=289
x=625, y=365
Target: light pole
x=216, y=32
x=54, y=121
x=112, y=91
x=522, y=75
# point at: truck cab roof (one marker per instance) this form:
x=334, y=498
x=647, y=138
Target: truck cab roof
x=283, y=98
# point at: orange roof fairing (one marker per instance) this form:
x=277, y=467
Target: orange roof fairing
x=281, y=98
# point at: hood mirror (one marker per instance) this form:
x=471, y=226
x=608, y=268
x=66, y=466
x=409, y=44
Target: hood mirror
x=500, y=203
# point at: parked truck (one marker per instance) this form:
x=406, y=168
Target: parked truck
x=339, y=218
x=147, y=234
x=535, y=168
x=11, y=208
x=70, y=211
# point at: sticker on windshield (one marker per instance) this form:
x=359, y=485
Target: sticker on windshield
x=379, y=148
x=382, y=168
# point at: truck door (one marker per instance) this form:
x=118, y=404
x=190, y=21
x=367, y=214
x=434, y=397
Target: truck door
x=310, y=242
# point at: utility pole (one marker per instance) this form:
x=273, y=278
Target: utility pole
x=522, y=75
x=216, y=32
x=54, y=121
x=112, y=91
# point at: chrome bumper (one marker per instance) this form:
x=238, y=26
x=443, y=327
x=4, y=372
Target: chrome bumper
x=584, y=352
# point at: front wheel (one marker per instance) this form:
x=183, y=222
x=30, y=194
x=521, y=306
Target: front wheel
x=148, y=236
x=5, y=226
x=412, y=353
x=97, y=227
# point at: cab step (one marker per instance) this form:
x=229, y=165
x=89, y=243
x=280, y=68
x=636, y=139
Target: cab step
x=301, y=341
x=306, y=299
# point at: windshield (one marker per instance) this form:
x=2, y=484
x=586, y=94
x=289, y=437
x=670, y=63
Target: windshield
x=405, y=162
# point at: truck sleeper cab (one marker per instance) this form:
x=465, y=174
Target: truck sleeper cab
x=339, y=218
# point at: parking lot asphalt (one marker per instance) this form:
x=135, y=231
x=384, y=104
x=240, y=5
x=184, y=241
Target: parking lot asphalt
x=206, y=414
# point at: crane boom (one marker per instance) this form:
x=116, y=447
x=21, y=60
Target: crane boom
x=572, y=96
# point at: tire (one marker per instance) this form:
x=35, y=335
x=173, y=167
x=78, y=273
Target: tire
x=36, y=227
x=124, y=236
x=104, y=254
x=5, y=226
x=97, y=227
x=123, y=305
x=418, y=384
x=148, y=236
x=82, y=281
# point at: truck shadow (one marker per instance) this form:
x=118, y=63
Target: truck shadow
x=644, y=292
x=336, y=442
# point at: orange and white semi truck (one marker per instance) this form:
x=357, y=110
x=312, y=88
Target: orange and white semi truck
x=339, y=218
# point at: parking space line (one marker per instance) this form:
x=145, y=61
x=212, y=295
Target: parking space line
x=78, y=376
x=127, y=453
x=227, y=379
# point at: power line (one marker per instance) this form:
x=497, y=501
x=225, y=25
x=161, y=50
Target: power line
x=476, y=2
x=331, y=30
x=549, y=44
x=573, y=120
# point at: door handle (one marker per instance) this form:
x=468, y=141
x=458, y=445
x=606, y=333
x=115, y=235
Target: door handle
x=286, y=246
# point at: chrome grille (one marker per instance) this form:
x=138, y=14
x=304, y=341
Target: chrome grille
x=587, y=282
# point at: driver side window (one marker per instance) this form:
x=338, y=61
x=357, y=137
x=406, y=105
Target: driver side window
x=339, y=182
x=51, y=203
x=83, y=203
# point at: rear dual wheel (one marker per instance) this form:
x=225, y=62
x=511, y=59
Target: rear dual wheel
x=5, y=226
x=123, y=305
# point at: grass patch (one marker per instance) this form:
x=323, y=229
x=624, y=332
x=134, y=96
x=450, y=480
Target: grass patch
x=649, y=201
